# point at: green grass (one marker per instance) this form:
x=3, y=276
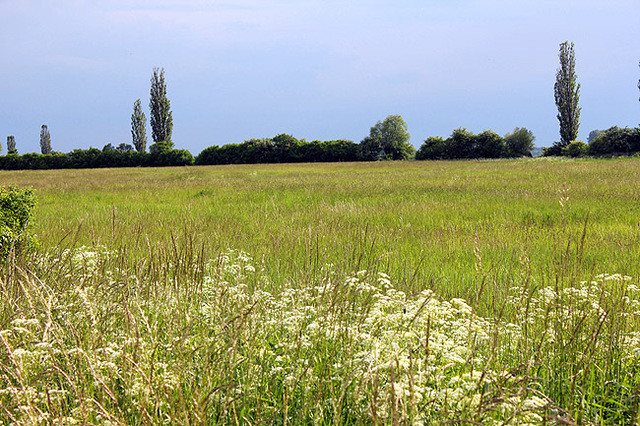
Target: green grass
x=162, y=328
x=421, y=222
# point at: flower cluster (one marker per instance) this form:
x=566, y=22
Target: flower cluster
x=409, y=358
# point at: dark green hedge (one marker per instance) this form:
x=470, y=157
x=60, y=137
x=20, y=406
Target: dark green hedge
x=94, y=158
x=280, y=149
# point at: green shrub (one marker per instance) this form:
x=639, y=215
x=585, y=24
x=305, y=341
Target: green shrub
x=16, y=207
x=575, y=149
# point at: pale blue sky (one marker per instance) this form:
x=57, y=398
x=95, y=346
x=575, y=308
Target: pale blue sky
x=316, y=69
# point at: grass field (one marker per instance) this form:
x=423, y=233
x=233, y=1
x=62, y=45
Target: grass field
x=329, y=293
x=421, y=222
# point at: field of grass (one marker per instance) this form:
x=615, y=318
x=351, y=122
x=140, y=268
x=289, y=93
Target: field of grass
x=424, y=223
x=393, y=292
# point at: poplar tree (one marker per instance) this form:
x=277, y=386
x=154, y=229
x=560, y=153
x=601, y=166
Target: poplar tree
x=161, y=118
x=11, y=145
x=138, y=127
x=45, y=140
x=567, y=94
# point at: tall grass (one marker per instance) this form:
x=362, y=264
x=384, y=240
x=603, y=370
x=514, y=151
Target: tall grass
x=408, y=293
x=96, y=337
x=421, y=222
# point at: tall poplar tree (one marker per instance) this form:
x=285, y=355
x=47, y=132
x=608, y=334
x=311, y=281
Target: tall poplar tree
x=45, y=140
x=567, y=94
x=11, y=145
x=161, y=118
x=138, y=127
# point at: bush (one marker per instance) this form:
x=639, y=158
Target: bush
x=171, y=157
x=16, y=207
x=575, y=149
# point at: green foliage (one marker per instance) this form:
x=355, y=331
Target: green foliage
x=387, y=140
x=370, y=149
x=124, y=147
x=254, y=151
x=287, y=148
x=11, y=145
x=122, y=156
x=226, y=154
x=489, y=144
x=159, y=105
x=160, y=146
x=593, y=135
x=554, y=150
x=462, y=144
x=171, y=157
x=331, y=151
x=575, y=149
x=432, y=149
x=616, y=141
x=16, y=210
x=280, y=149
x=567, y=95
x=139, y=127
x=519, y=143
x=45, y=140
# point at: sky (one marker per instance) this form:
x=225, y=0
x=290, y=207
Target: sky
x=316, y=69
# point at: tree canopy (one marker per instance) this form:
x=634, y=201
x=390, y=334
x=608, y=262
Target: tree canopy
x=387, y=140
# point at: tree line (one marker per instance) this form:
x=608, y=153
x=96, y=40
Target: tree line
x=161, y=152
x=387, y=140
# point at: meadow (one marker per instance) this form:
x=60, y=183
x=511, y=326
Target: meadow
x=502, y=292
